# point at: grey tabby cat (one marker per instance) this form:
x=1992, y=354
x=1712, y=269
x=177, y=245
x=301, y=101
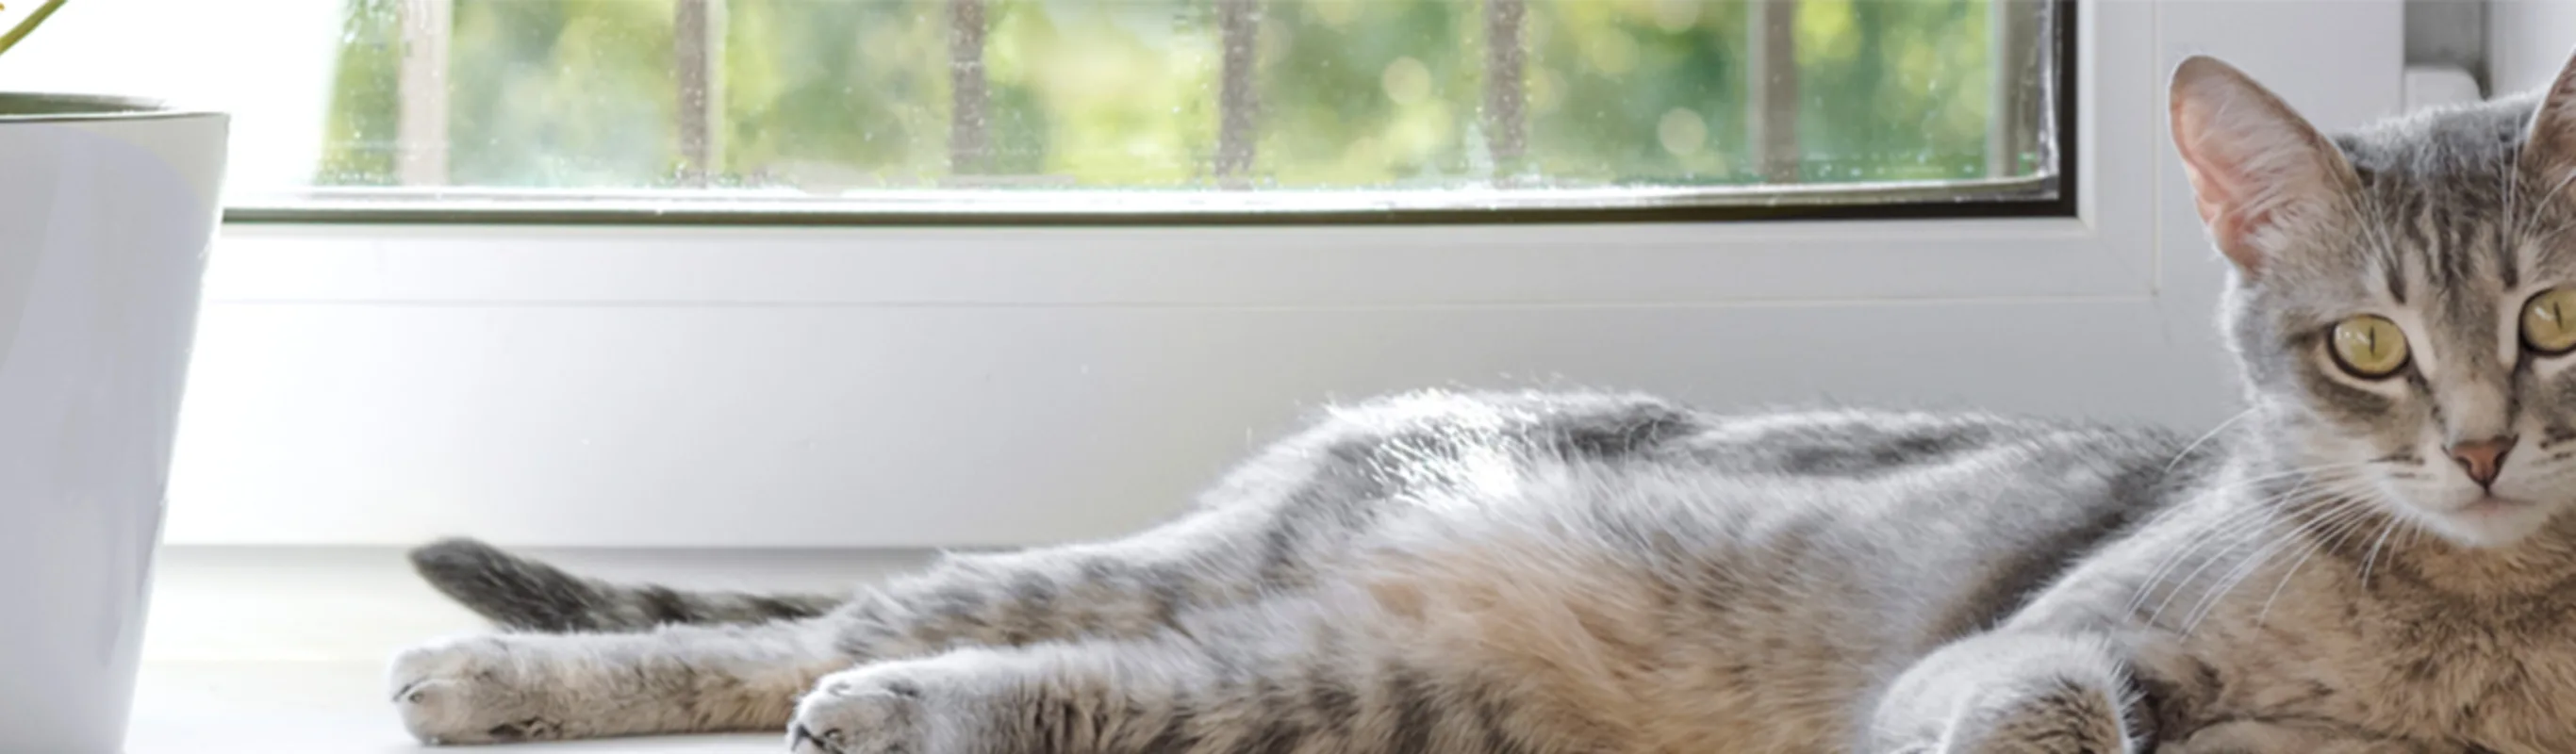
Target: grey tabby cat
x=2375, y=558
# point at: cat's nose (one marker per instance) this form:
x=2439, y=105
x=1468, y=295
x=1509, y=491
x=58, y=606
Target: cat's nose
x=2483, y=458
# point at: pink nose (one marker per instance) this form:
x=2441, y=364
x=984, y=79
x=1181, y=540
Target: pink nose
x=2483, y=458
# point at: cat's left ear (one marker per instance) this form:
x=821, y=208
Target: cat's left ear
x=2549, y=141
x=2265, y=180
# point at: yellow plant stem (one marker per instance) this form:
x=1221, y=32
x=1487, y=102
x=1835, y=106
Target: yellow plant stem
x=28, y=26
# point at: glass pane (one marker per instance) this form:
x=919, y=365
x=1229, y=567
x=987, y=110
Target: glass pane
x=1361, y=93
x=824, y=95
x=863, y=105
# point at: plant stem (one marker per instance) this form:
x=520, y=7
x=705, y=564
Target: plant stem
x=10, y=39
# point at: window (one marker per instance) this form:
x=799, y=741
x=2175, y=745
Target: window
x=1175, y=108
x=949, y=384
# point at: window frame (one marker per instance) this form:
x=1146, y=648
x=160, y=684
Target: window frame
x=2104, y=249
x=1987, y=198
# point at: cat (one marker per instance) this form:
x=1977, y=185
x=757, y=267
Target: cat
x=2375, y=557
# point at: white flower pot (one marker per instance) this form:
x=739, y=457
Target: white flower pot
x=106, y=209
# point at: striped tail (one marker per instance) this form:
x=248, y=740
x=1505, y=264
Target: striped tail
x=524, y=595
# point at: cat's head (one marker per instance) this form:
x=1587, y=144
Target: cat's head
x=2404, y=298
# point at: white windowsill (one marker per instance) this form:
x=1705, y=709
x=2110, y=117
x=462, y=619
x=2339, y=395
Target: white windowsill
x=234, y=661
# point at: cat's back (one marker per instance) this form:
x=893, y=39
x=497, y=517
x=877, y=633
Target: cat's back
x=1444, y=427
x=1638, y=455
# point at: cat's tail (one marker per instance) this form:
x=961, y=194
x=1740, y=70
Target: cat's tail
x=522, y=594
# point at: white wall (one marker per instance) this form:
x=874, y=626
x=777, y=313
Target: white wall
x=960, y=387
x=2527, y=41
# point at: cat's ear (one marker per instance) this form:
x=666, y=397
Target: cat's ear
x=2550, y=140
x=2262, y=176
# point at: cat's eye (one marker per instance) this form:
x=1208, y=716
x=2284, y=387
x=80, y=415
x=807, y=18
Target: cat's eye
x=2549, y=322
x=2372, y=347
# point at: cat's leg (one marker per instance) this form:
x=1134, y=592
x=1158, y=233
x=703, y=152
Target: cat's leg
x=688, y=678
x=2011, y=693
x=675, y=679
x=2039, y=693
x=694, y=678
x=1180, y=696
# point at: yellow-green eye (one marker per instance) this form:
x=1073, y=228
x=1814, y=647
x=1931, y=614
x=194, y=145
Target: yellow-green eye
x=2372, y=347
x=2549, y=322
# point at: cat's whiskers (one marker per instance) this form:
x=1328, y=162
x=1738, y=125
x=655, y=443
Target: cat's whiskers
x=2342, y=507
x=2228, y=527
x=2204, y=437
x=2300, y=518
x=2385, y=529
x=2349, y=509
x=2342, y=520
x=2243, y=482
x=2266, y=513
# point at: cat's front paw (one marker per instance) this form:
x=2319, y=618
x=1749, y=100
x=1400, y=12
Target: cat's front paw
x=878, y=709
x=467, y=691
x=2055, y=718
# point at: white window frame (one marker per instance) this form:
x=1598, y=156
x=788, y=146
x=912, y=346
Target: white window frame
x=950, y=386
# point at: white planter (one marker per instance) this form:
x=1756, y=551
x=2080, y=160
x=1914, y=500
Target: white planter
x=106, y=209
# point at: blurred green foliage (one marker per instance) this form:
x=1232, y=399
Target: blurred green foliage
x=1124, y=93
x=359, y=146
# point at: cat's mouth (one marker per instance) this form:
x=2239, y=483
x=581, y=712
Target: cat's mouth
x=2489, y=520
x=2490, y=505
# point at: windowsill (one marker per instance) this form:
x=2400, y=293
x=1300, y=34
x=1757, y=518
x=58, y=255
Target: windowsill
x=283, y=650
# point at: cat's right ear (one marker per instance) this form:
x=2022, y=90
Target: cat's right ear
x=2262, y=176
x=2550, y=138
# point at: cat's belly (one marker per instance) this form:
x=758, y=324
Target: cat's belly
x=1723, y=613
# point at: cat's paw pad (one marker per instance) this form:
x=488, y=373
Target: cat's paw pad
x=879, y=709
x=465, y=691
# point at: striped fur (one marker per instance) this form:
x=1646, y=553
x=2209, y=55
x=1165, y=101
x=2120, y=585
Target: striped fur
x=1588, y=573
